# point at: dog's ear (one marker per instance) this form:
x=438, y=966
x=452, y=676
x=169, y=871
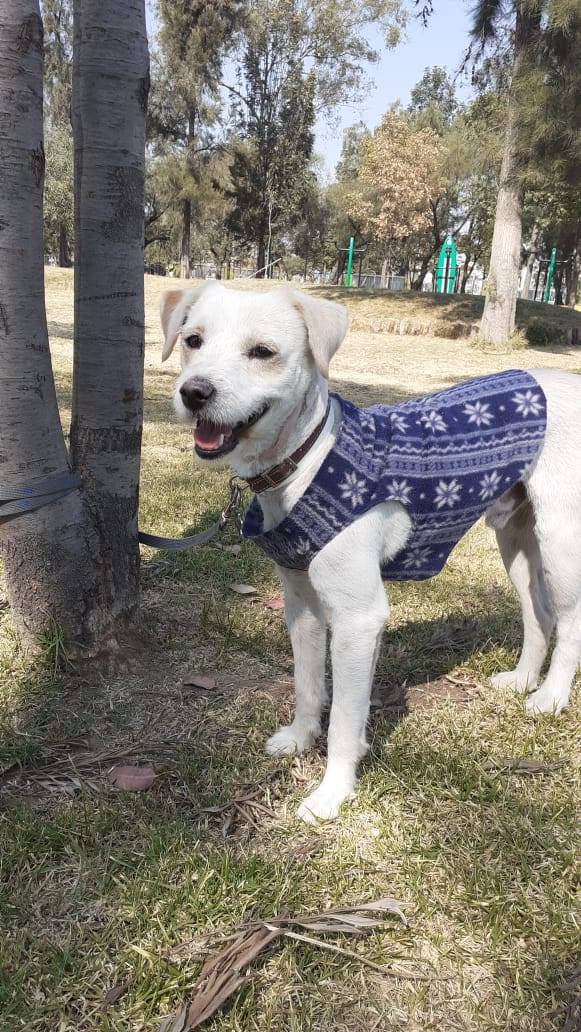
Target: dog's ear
x=326, y=324
x=174, y=305
x=173, y=309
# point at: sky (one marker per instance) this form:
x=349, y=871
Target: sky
x=443, y=42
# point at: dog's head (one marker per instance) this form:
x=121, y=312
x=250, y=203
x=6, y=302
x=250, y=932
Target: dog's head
x=248, y=360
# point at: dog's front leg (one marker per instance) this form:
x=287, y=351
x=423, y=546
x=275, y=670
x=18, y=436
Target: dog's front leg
x=305, y=620
x=358, y=608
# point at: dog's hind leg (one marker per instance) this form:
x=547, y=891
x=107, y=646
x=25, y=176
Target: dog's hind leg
x=306, y=623
x=521, y=555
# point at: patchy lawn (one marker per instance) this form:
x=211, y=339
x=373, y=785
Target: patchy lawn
x=101, y=889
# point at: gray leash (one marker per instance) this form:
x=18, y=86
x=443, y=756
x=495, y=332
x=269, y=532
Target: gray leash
x=17, y=501
x=233, y=510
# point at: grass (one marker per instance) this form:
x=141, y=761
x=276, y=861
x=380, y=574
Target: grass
x=99, y=889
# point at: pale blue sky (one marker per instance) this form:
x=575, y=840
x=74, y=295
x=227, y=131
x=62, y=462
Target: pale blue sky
x=443, y=42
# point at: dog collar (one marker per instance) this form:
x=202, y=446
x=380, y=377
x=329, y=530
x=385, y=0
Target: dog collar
x=275, y=476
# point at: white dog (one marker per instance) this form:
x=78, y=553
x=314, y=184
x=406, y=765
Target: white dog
x=254, y=386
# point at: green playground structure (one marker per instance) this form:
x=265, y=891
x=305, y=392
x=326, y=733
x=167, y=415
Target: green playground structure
x=446, y=267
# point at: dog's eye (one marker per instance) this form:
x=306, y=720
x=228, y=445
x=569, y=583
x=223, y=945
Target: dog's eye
x=194, y=341
x=260, y=351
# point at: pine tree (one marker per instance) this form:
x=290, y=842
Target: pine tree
x=194, y=37
x=299, y=58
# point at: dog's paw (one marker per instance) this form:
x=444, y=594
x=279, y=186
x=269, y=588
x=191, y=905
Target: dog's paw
x=515, y=680
x=323, y=804
x=289, y=740
x=545, y=700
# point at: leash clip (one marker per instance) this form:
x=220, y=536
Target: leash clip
x=234, y=507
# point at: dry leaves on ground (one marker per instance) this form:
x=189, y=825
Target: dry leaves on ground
x=206, y=682
x=514, y=765
x=128, y=778
x=224, y=972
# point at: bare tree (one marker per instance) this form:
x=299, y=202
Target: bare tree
x=74, y=562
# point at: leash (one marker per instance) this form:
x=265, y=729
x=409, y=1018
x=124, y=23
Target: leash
x=233, y=510
x=16, y=501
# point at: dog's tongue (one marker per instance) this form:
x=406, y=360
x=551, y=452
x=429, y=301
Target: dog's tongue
x=210, y=436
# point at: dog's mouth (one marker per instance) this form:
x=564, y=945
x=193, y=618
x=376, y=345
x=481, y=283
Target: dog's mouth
x=212, y=440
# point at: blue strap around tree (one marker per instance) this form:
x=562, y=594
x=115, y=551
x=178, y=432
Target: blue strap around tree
x=15, y=501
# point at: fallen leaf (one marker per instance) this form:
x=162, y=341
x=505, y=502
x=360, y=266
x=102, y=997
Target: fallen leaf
x=132, y=779
x=244, y=589
x=205, y=681
x=224, y=972
x=113, y=994
x=274, y=603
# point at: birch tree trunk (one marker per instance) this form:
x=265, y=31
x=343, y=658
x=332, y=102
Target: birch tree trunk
x=47, y=555
x=74, y=563
x=498, y=318
x=110, y=90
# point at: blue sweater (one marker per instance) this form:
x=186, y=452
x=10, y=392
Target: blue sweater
x=445, y=457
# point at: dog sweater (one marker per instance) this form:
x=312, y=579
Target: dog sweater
x=446, y=457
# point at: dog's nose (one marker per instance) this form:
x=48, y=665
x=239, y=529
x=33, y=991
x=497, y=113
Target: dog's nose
x=196, y=392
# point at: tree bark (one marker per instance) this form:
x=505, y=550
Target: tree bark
x=185, y=268
x=261, y=255
x=573, y=270
x=64, y=256
x=535, y=238
x=498, y=319
x=48, y=554
x=110, y=90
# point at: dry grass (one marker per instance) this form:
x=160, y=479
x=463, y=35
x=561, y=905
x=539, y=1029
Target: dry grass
x=99, y=889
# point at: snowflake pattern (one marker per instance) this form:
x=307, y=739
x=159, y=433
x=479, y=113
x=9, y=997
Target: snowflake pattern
x=417, y=558
x=399, y=491
x=398, y=422
x=353, y=489
x=447, y=494
x=489, y=485
x=445, y=458
x=433, y=421
x=527, y=403
x=303, y=546
x=479, y=413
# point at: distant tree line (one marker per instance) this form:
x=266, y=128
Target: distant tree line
x=231, y=171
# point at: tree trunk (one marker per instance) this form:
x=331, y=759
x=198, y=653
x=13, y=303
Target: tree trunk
x=64, y=256
x=110, y=90
x=185, y=268
x=498, y=319
x=48, y=554
x=261, y=255
x=418, y=280
x=573, y=270
x=535, y=238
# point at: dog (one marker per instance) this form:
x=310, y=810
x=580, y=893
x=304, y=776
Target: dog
x=254, y=387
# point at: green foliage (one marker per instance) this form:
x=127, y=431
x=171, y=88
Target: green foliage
x=433, y=100
x=58, y=187
x=540, y=332
x=57, y=16
x=297, y=57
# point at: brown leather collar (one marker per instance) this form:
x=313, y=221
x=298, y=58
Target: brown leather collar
x=277, y=474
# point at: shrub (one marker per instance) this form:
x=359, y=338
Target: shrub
x=540, y=333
